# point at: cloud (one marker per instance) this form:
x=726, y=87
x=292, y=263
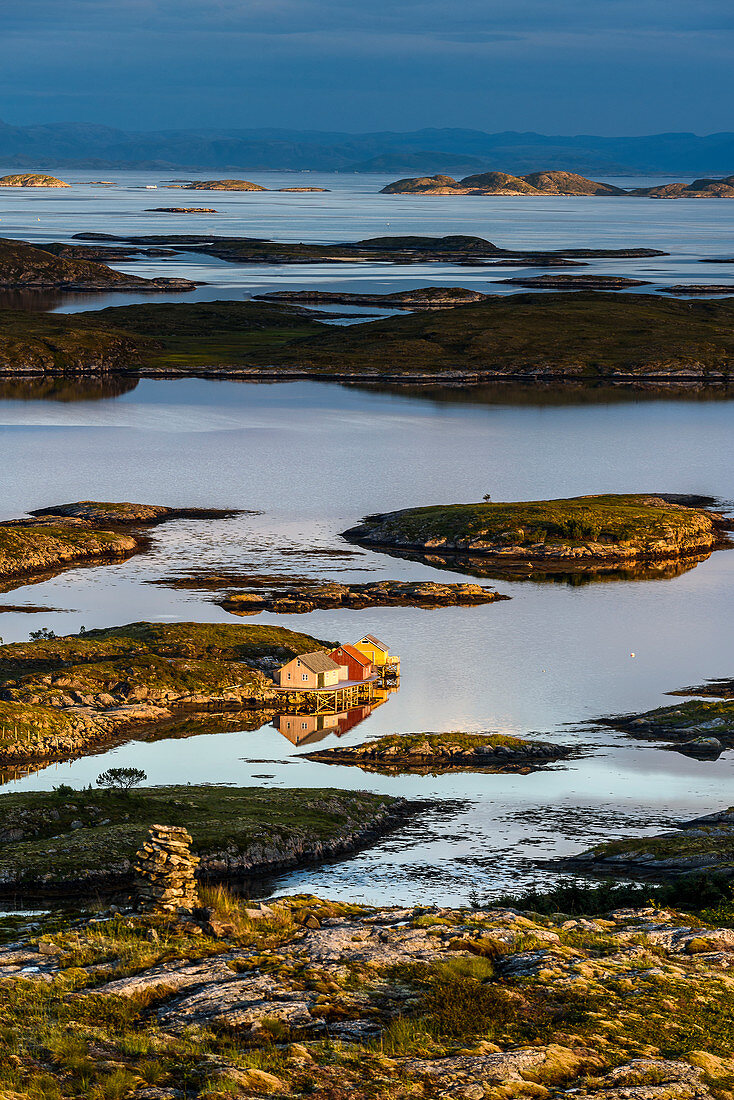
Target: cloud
x=386, y=61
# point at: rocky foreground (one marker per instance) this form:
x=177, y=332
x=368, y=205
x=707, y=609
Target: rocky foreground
x=303, y=997
x=433, y=753
x=63, y=697
x=610, y=529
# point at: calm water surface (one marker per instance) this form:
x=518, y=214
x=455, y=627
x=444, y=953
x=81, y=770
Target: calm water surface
x=312, y=459
x=688, y=229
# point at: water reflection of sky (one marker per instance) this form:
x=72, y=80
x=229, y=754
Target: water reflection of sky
x=313, y=458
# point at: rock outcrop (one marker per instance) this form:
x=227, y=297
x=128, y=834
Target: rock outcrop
x=32, y=179
x=304, y=598
x=25, y=266
x=165, y=872
x=502, y=183
x=441, y=752
x=579, y=531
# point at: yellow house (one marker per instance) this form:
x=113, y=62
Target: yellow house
x=374, y=649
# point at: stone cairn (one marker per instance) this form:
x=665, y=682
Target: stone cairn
x=164, y=872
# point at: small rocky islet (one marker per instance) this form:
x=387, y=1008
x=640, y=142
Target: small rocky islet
x=701, y=727
x=434, y=753
x=302, y=598
x=703, y=846
x=32, y=179
x=591, y=531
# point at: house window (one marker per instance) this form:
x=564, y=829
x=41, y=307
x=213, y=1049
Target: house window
x=304, y=676
x=289, y=675
x=304, y=725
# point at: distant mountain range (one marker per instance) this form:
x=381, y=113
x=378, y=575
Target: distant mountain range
x=429, y=151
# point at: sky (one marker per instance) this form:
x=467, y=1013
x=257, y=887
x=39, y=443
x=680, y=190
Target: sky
x=552, y=66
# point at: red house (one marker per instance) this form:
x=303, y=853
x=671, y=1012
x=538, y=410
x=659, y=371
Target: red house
x=357, y=665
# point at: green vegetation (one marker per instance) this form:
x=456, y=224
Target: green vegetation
x=28, y=548
x=582, y=336
x=61, y=696
x=616, y=527
x=523, y=1007
x=701, y=847
x=65, y=839
x=205, y=334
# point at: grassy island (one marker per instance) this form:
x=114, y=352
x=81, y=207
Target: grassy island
x=702, y=846
x=68, y=841
x=610, y=529
x=438, y=752
x=86, y=532
x=697, y=727
x=28, y=549
x=62, y=697
x=25, y=267
x=585, y=337
x=308, y=997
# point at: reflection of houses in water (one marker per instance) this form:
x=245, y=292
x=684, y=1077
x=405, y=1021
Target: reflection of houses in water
x=302, y=729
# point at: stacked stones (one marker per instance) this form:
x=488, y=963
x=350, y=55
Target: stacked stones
x=164, y=871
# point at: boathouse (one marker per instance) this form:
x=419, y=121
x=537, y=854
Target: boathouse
x=354, y=665
x=372, y=648
x=309, y=671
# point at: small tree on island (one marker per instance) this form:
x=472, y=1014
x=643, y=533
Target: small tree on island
x=121, y=779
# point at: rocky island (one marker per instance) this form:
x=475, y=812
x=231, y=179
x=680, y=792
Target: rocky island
x=703, y=846
x=434, y=753
x=582, y=532
x=86, y=532
x=555, y=183
x=703, y=726
x=427, y=297
x=280, y=595
x=63, y=697
x=502, y=183
x=24, y=266
x=308, y=997
x=32, y=179
x=77, y=842
x=457, y=248
x=584, y=337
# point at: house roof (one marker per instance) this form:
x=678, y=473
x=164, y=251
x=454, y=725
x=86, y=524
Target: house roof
x=317, y=662
x=377, y=642
x=354, y=654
